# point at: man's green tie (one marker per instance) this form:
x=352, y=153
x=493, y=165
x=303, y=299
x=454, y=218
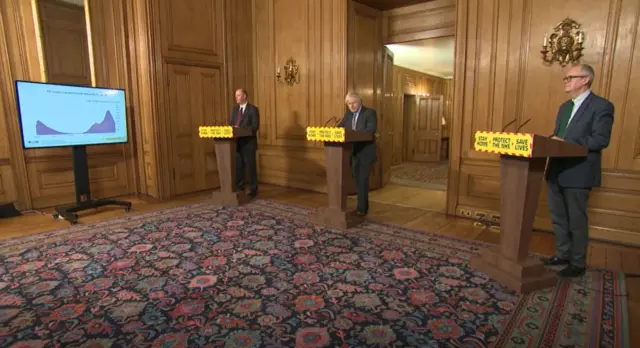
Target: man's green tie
x=564, y=122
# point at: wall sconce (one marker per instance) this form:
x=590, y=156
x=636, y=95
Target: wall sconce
x=291, y=73
x=564, y=45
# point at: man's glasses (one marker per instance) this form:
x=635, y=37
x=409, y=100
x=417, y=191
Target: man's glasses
x=571, y=77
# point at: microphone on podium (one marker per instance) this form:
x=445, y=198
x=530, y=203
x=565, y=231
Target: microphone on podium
x=336, y=122
x=522, y=125
x=329, y=120
x=508, y=124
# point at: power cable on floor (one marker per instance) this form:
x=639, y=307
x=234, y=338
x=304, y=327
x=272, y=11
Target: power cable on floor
x=32, y=211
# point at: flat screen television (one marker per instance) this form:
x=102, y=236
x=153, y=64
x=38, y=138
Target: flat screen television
x=57, y=115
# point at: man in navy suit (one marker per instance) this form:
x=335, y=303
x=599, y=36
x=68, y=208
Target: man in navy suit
x=246, y=115
x=586, y=119
x=363, y=153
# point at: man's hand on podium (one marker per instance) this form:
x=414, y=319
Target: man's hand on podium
x=557, y=138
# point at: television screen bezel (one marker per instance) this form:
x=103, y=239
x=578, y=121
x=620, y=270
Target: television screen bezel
x=19, y=114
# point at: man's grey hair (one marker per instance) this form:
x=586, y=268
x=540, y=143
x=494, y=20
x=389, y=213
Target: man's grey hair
x=352, y=95
x=588, y=70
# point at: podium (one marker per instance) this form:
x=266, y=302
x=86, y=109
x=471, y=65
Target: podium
x=337, y=151
x=225, y=139
x=523, y=158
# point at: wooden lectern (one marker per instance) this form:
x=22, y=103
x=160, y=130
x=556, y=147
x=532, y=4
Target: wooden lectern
x=523, y=159
x=337, y=150
x=225, y=144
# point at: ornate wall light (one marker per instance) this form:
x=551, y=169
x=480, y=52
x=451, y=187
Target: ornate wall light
x=291, y=73
x=564, y=45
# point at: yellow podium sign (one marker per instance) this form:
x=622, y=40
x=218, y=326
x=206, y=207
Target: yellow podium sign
x=215, y=132
x=334, y=134
x=504, y=143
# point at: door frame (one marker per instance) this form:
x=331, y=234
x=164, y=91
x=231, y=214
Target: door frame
x=386, y=112
x=455, y=124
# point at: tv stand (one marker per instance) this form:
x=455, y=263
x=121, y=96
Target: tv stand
x=83, y=192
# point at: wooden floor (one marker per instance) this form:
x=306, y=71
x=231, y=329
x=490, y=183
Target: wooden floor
x=410, y=207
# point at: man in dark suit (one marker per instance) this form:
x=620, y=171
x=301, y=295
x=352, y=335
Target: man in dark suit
x=363, y=154
x=586, y=120
x=245, y=115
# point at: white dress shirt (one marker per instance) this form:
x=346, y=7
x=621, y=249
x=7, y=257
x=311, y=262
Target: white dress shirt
x=577, y=102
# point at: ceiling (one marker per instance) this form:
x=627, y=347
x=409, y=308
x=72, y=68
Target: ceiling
x=430, y=56
x=389, y=4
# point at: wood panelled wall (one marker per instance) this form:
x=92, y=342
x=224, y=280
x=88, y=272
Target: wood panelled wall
x=412, y=82
x=181, y=84
x=188, y=59
x=366, y=75
x=500, y=77
x=179, y=62
x=314, y=33
x=45, y=177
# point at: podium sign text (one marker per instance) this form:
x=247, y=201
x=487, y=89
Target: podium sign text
x=514, y=144
x=333, y=134
x=215, y=132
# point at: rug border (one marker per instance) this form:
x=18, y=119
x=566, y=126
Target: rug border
x=621, y=302
x=624, y=312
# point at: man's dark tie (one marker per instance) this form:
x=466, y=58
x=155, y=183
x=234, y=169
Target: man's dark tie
x=239, y=117
x=564, y=121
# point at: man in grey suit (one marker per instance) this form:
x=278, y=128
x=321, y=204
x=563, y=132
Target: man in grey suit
x=586, y=120
x=246, y=115
x=363, y=153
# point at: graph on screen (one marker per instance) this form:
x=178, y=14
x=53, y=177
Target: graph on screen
x=108, y=125
x=59, y=115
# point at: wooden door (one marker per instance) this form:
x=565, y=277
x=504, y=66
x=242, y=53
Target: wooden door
x=183, y=114
x=194, y=100
x=386, y=134
x=214, y=112
x=425, y=132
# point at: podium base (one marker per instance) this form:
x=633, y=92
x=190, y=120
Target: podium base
x=526, y=276
x=335, y=218
x=230, y=198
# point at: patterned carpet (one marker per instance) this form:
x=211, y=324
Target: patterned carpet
x=433, y=176
x=262, y=276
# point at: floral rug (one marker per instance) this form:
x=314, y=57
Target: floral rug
x=433, y=176
x=262, y=276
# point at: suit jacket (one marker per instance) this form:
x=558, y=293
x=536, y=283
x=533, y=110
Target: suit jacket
x=367, y=122
x=250, y=120
x=590, y=127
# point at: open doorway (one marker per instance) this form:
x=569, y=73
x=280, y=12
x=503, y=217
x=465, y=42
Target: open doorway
x=423, y=107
